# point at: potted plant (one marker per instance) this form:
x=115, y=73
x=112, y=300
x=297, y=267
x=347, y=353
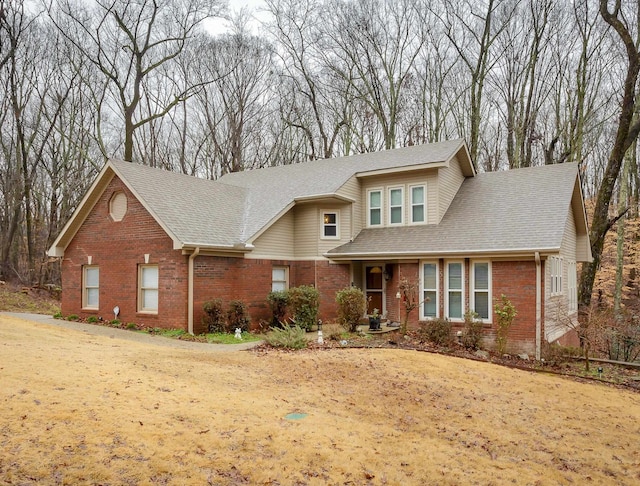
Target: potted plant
x=374, y=320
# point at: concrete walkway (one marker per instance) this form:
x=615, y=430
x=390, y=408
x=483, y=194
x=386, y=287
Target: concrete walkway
x=125, y=335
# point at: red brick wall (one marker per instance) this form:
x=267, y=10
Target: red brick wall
x=250, y=281
x=118, y=248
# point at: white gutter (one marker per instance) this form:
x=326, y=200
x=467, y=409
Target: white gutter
x=192, y=257
x=538, y=306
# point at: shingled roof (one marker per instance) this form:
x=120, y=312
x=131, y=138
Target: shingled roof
x=520, y=210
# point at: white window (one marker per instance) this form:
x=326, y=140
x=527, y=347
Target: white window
x=91, y=287
x=555, y=271
x=279, y=278
x=454, y=296
x=417, y=204
x=481, y=289
x=148, y=288
x=330, y=225
x=374, y=215
x=396, y=205
x=429, y=308
x=572, y=286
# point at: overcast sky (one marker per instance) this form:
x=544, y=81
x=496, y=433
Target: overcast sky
x=217, y=26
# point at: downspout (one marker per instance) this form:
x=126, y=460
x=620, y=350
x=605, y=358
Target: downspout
x=192, y=257
x=538, y=306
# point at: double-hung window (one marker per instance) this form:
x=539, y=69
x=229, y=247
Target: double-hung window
x=454, y=281
x=330, y=225
x=148, y=288
x=375, y=207
x=555, y=267
x=417, y=204
x=429, y=290
x=396, y=206
x=279, y=278
x=481, y=289
x=90, y=287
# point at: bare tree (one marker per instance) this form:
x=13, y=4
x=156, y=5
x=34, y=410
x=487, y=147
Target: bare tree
x=130, y=43
x=623, y=22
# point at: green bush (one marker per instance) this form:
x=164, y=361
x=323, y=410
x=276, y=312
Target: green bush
x=58, y=315
x=436, y=331
x=237, y=316
x=289, y=338
x=72, y=317
x=278, y=301
x=304, y=302
x=351, y=307
x=505, y=314
x=472, y=334
x=115, y=322
x=131, y=326
x=92, y=319
x=214, y=317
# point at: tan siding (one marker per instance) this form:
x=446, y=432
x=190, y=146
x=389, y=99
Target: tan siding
x=568, y=248
x=352, y=190
x=427, y=177
x=277, y=241
x=449, y=181
x=306, y=234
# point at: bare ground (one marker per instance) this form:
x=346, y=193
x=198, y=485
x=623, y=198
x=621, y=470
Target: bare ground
x=80, y=408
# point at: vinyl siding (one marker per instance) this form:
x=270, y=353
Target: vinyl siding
x=449, y=181
x=352, y=190
x=277, y=241
x=306, y=232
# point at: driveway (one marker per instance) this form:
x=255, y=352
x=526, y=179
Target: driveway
x=125, y=335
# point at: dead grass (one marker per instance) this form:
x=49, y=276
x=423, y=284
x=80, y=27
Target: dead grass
x=80, y=409
x=36, y=301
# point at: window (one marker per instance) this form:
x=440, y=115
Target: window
x=90, y=287
x=429, y=290
x=330, y=225
x=417, y=204
x=454, y=281
x=279, y=278
x=555, y=270
x=396, y=208
x=572, y=286
x=118, y=206
x=375, y=208
x=481, y=289
x=148, y=291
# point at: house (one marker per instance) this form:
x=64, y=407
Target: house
x=158, y=244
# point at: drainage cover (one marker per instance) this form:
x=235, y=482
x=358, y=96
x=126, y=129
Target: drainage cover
x=295, y=416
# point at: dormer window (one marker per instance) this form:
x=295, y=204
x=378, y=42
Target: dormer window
x=375, y=208
x=330, y=225
x=396, y=205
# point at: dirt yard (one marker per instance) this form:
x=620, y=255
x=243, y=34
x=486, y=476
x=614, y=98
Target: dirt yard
x=79, y=408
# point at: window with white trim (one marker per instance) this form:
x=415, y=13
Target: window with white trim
x=396, y=205
x=417, y=204
x=90, y=287
x=374, y=215
x=555, y=271
x=330, y=225
x=454, y=294
x=572, y=286
x=279, y=278
x=481, y=289
x=148, y=288
x=430, y=279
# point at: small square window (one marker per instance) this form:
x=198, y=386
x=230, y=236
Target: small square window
x=330, y=225
x=279, y=278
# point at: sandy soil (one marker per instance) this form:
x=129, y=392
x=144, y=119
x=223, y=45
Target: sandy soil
x=79, y=408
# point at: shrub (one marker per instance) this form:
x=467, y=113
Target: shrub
x=115, y=322
x=278, y=302
x=289, y=338
x=92, y=319
x=333, y=332
x=131, y=326
x=505, y=314
x=304, y=302
x=436, y=331
x=554, y=353
x=58, y=315
x=351, y=307
x=72, y=317
x=214, y=318
x=472, y=335
x=237, y=316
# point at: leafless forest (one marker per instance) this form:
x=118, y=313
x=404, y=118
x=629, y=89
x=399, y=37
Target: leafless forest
x=525, y=82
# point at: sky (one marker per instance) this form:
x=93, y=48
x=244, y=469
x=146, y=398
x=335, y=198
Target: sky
x=218, y=25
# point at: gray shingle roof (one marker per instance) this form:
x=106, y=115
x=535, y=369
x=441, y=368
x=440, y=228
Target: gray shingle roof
x=510, y=211
x=233, y=209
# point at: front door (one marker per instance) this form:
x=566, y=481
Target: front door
x=374, y=282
